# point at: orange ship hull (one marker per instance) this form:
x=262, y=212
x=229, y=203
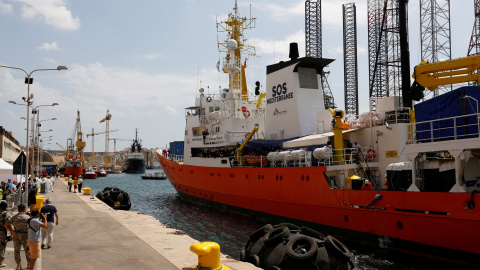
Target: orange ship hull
x=430, y=223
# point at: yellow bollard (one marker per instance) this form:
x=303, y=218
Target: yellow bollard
x=86, y=191
x=208, y=255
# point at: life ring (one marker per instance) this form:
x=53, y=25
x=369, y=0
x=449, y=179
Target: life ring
x=209, y=99
x=371, y=154
x=246, y=114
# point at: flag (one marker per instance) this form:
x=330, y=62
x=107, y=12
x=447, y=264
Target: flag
x=218, y=65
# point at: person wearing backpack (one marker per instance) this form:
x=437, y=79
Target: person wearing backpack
x=3, y=233
x=20, y=236
x=34, y=225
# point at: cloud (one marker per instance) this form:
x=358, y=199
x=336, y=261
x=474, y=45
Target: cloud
x=5, y=8
x=52, y=12
x=48, y=46
x=50, y=60
x=279, y=47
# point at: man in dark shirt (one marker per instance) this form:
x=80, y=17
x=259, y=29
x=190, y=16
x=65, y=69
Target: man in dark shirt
x=32, y=197
x=47, y=233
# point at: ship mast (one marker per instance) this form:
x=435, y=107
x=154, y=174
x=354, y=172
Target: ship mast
x=234, y=46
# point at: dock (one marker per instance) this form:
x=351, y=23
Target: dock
x=91, y=235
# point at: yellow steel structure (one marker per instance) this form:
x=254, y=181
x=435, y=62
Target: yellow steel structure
x=80, y=144
x=92, y=154
x=234, y=26
x=240, y=149
x=107, y=139
x=433, y=75
x=337, y=136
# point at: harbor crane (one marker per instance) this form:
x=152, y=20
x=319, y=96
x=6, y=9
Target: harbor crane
x=92, y=154
x=106, y=159
x=115, y=149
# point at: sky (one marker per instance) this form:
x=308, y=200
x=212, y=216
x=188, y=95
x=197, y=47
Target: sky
x=144, y=61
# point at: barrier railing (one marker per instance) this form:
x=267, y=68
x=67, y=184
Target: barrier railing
x=450, y=128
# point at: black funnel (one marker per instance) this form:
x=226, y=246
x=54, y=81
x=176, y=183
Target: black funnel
x=293, y=51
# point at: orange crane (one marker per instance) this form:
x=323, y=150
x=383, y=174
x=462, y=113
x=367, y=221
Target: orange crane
x=107, y=134
x=92, y=154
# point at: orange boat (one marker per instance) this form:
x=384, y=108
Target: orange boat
x=424, y=173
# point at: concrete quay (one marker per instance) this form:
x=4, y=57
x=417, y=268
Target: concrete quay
x=91, y=235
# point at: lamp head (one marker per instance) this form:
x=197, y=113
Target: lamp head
x=54, y=104
x=62, y=68
x=13, y=102
x=54, y=118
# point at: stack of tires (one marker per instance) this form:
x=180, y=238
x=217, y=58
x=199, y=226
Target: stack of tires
x=115, y=198
x=289, y=247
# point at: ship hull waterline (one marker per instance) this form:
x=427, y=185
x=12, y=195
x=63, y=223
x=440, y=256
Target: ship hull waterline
x=135, y=166
x=442, y=230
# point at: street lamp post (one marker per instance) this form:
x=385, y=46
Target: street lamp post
x=29, y=101
x=39, y=124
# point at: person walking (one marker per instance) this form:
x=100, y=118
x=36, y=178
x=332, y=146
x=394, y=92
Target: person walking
x=47, y=233
x=34, y=225
x=3, y=234
x=80, y=184
x=20, y=235
x=70, y=182
x=32, y=197
x=75, y=185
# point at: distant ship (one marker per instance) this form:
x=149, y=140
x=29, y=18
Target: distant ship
x=135, y=162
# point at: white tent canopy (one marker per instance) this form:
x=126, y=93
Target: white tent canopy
x=6, y=172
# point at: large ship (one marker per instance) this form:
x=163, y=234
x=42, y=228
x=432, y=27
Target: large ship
x=135, y=162
x=284, y=157
x=74, y=157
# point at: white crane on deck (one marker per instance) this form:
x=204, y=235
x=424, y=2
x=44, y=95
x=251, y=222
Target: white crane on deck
x=92, y=154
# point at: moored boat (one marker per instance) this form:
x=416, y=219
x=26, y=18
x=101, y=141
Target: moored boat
x=102, y=173
x=90, y=174
x=423, y=170
x=155, y=176
x=135, y=162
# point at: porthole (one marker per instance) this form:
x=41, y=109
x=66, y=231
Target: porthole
x=399, y=225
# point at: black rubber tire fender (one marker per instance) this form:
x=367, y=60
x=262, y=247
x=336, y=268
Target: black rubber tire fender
x=260, y=232
x=312, y=233
x=335, y=245
x=273, y=256
x=105, y=195
x=254, y=259
x=275, y=236
x=100, y=195
x=301, y=247
x=291, y=226
x=120, y=197
x=242, y=255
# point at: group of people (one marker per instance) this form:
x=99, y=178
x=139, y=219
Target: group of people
x=74, y=182
x=33, y=231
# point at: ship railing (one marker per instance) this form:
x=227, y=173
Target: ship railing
x=445, y=129
x=350, y=156
x=176, y=158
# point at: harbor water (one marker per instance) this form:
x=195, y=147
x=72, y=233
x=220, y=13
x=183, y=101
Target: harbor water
x=159, y=199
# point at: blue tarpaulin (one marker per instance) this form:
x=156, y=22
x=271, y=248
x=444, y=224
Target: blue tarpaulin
x=451, y=104
x=258, y=144
x=176, y=148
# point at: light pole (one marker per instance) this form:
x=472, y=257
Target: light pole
x=29, y=100
x=34, y=141
x=39, y=124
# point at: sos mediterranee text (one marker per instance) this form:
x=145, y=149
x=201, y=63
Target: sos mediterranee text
x=279, y=93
